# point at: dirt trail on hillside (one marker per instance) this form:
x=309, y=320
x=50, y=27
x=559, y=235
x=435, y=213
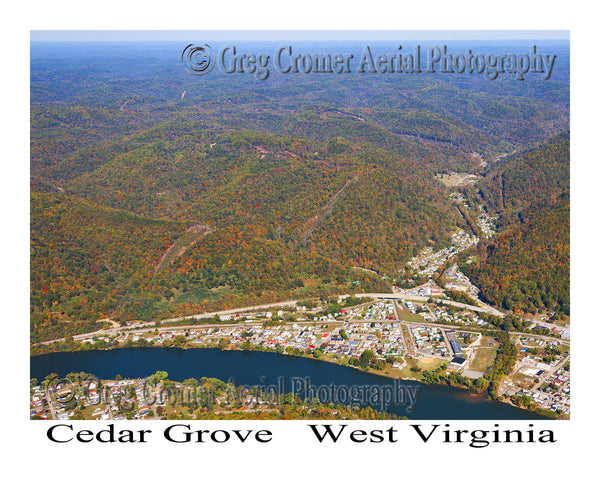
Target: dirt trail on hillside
x=318, y=219
x=189, y=238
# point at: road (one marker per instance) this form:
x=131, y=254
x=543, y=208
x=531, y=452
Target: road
x=490, y=332
x=140, y=326
x=487, y=309
x=396, y=306
x=551, y=370
x=418, y=298
x=151, y=326
x=291, y=303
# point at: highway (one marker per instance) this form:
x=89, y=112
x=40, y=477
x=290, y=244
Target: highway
x=151, y=326
x=418, y=298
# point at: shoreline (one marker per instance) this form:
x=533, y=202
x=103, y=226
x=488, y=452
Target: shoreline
x=463, y=388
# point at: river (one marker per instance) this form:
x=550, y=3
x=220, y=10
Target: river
x=263, y=368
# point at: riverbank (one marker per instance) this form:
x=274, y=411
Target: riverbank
x=158, y=397
x=261, y=369
x=452, y=380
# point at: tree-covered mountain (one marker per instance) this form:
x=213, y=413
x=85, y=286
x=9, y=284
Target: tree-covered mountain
x=303, y=186
x=526, y=267
x=88, y=261
x=533, y=178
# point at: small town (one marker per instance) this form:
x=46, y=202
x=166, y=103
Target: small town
x=408, y=332
x=406, y=338
x=428, y=261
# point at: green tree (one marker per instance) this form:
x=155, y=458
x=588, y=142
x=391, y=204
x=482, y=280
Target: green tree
x=365, y=358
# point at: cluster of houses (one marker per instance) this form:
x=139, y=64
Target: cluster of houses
x=295, y=336
x=106, y=401
x=429, y=340
x=437, y=313
x=547, y=383
x=485, y=222
x=457, y=280
x=563, y=332
x=428, y=260
x=384, y=339
x=558, y=390
x=465, y=317
x=370, y=327
x=375, y=312
x=38, y=405
x=459, y=197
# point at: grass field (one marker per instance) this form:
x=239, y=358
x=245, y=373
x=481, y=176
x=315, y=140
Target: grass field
x=522, y=380
x=427, y=363
x=405, y=315
x=311, y=282
x=485, y=342
x=196, y=294
x=484, y=357
x=563, y=322
x=407, y=339
x=456, y=179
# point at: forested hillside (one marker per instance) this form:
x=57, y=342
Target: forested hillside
x=527, y=267
x=88, y=261
x=304, y=186
x=534, y=178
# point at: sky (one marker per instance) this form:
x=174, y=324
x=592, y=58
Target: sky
x=183, y=35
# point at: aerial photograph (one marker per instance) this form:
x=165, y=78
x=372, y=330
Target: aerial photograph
x=271, y=225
